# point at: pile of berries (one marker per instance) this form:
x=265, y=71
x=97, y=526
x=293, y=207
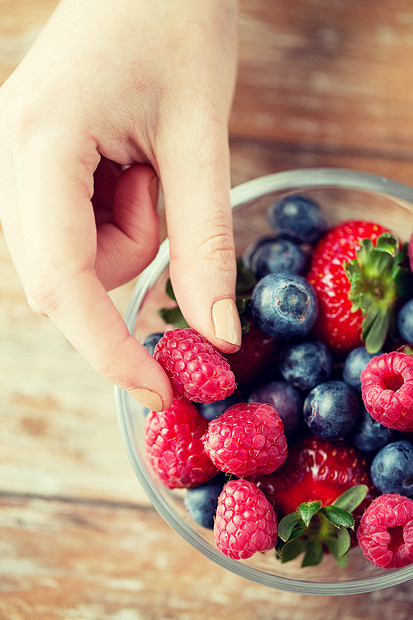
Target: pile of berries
x=302, y=440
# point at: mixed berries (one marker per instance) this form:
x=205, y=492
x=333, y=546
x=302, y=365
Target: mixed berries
x=301, y=442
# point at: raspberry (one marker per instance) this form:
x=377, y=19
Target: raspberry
x=174, y=446
x=387, y=389
x=247, y=440
x=245, y=521
x=197, y=370
x=385, y=533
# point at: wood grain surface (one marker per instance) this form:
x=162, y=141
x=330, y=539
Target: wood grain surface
x=320, y=84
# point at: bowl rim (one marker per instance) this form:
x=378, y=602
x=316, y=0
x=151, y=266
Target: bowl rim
x=290, y=180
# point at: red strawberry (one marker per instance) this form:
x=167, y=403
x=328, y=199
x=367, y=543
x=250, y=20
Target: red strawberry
x=385, y=533
x=197, y=370
x=247, y=440
x=353, y=280
x=174, y=446
x=387, y=389
x=315, y=469
x=245, y=521
x=254, y=358
x=318, y=487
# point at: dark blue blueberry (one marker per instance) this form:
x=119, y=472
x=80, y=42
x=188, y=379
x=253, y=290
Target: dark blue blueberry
x=305, y=364
x=278, y=255
x=211, y=411
x=392, y=468
x=285, y=399
x=284, y=305
x=249, y=254
x=151, y=341
x=297, y=217
x=354, y=364
x=404, y=321
x=201, y=502
x=369, y=435
x=331, y=409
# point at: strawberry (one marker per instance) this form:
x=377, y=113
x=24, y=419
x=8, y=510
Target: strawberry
x=254, y=359
x=315, y=491
x=315, y=469
x=358, y=279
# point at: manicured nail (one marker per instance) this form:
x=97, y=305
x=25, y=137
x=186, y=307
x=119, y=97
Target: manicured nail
x=147, y=398
x=226, y=321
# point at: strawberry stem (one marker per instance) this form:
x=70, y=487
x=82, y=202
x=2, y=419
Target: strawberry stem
x=314, y=528
x=377, y=281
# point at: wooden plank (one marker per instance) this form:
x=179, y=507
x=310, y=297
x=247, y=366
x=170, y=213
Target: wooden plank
x=251, y=158
x=336, y=75
x=85, y=561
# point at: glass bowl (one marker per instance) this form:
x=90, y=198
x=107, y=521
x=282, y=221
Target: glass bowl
x=344, y=194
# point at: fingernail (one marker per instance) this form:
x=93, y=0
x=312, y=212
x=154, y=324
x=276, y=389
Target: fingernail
x=147, y=398
x=226, y=321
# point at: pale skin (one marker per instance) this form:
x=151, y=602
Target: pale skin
x=115, y=97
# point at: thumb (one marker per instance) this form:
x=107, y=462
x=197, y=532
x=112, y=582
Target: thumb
x=194, y=170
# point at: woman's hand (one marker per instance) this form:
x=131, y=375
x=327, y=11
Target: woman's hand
x=114, y=95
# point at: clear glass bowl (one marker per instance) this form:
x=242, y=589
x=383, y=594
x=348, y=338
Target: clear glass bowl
x=344, y=194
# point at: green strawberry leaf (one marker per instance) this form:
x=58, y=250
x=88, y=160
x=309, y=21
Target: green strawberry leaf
x=375, y=334
x=290, y=550
x=307, y=510
x=377, y=282
x=173, y=316
x=313, y=555
x=352, y=498
x=339, y=544
x=290, y=526
x=169, y=290
x=387, y=242
x=338, y=517
x=245, y=279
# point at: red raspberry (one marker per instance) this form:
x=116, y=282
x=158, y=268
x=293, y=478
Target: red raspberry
x=247, y=440
x=174, y=446
x=385, y=533
x=387, y=389
x=245, y=521
x=197, y=370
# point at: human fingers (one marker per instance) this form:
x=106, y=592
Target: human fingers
x=194, y=168
x=60, y=246
x=129, y=238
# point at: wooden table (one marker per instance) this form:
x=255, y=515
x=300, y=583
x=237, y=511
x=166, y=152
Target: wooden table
x=320, y=84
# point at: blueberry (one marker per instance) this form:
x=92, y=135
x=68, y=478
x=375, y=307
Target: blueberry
x=250, y=253
x=201, y=502
x=211, y=411
x=392, y=468
x=285, y=399
x=369, y=435
x=305, y=364
x=331, y=409
x=284, y=305
x=151, y=341
x=404, y=321
x=354, y=364
x=277, y=255
x=297, y=217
